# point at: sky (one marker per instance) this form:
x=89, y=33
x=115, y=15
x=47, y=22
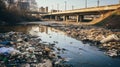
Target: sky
x=77, y=4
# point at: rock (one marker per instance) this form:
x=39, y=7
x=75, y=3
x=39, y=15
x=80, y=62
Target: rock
x=47, y=63
x=19, y=40
x=99, y=37
x=109, y=38
x=58, y=49
x=25, y=65
x=52, y=55
x=106, y=45
x=52, y=44
x=47, y=49
x=56, y=42
x=68, y=32
x=58, y=61
x=15, y=52
x=112, y=53
x=30, y=49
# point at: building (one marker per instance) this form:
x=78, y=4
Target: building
x=56, y=11
x=23, y=5
x=11, y=3
x=6, y=3
x=46, y=9
x=42, y=9
x=33, y=5
x=30, y=5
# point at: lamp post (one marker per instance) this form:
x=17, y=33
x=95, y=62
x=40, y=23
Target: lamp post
x=119, y=1
x=85, y=3
x=72, y=7
x=57, y=7
x=98, y=3
x=52, y=9
x=65, y=5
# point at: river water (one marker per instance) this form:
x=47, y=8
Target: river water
x=76, y=54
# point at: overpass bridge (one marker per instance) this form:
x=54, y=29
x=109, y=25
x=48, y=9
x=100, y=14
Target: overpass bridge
x=79, y=14
x=36, y=12
x=91, y=10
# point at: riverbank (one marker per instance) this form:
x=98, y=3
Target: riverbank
x=25, y=50
x=69, y=49
x=108, y=40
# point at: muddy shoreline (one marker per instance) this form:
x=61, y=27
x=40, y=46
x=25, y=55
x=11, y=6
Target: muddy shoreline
x=94, y=36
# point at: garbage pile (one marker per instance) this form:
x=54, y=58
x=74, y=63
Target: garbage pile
x=103, y=38
x=18, y=49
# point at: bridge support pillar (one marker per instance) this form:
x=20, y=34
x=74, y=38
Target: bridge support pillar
x=52, y=17
x=79, y=18
x=102, y=15
x=57, y=18
x=66, y=18
x=93, y=18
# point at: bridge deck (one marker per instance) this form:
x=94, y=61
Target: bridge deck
x=88, y=10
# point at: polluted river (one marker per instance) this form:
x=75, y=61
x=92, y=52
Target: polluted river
x=74, y=52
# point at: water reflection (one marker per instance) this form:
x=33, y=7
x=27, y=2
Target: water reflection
x=30, y=28
x=24, y=28
x=43, y=29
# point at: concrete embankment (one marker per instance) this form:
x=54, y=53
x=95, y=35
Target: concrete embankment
x=112, y=21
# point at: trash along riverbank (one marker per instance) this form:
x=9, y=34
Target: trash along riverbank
x=58, y=46
x=105, y=39
x=18, y=49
